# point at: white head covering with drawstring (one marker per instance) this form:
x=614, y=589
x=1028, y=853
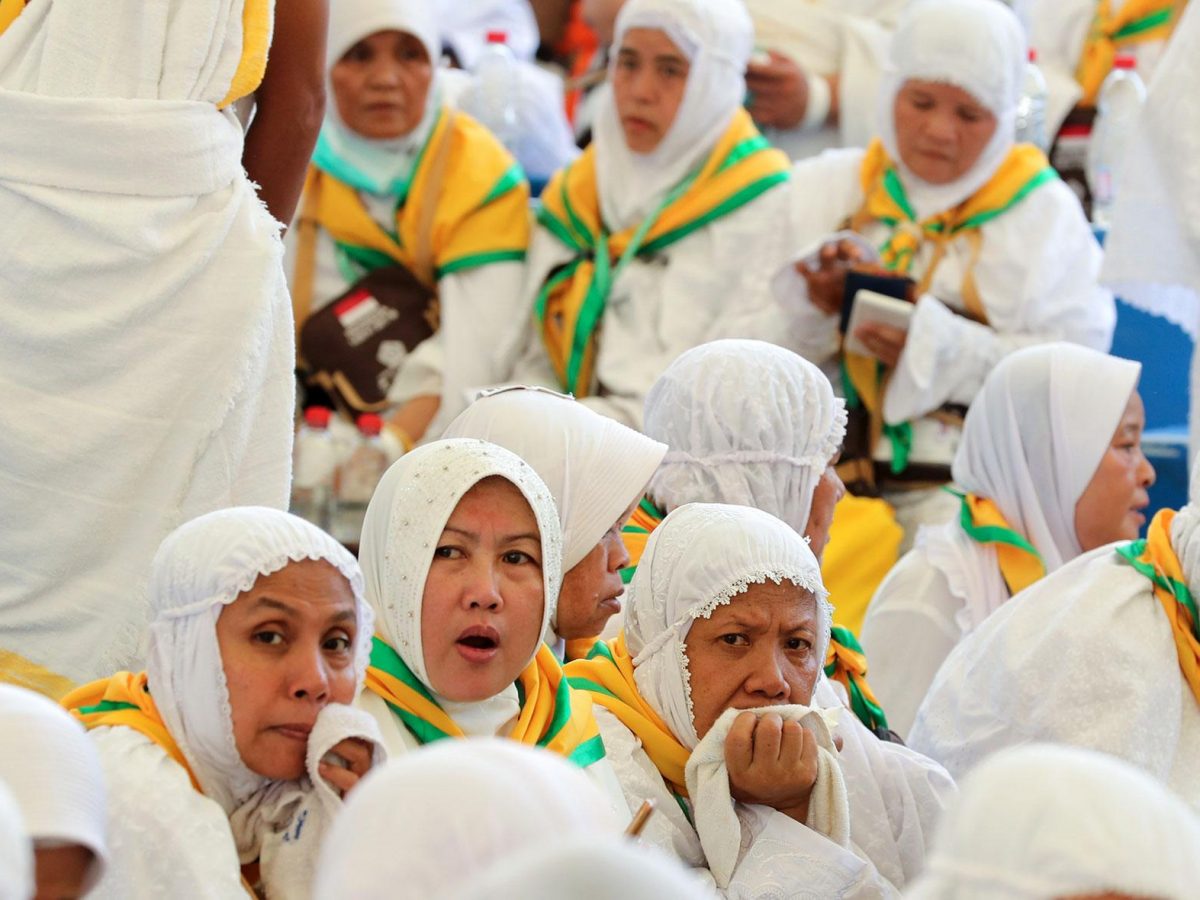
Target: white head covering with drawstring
x=976, y=45
x=53, y=771
x=717, y=38
x=403, y=525
x=748, y=423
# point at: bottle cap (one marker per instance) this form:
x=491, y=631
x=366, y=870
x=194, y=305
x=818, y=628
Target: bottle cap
x=1033, y=54
x=1125, y=61
x=317, y=416
x=497, y=37
x=370, y=424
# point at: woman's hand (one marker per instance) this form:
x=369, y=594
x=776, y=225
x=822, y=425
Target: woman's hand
x=772, y=762
x=886, y=342
x=357, y=756
x=827, y=283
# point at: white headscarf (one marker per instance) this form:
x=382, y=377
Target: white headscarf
x=54, y=772
x=717, y=38
x=1049, y=821
x=594, y=466
x=404, y=522
x=199, y=569
x=1036, y=433
x=376, y=165
x=976, y=45
x=702, y=556
x=16, y=851
x=1185, y=533
x=748, y=423
x=428, y=823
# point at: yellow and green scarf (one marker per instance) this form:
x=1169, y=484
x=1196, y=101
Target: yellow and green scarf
x=1136, y=22
x=636, y=532
x=607, y=676
x=981, y=520
x=9, y=10
x=1023, y=171
x=481, y=214
x=1155, y=558
x=123, y=700
x=571, y=302
x=552, y=716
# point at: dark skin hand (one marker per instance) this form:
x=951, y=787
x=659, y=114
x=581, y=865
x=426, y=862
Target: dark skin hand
x=290, y=105
x=358, y=754
x=780, y=92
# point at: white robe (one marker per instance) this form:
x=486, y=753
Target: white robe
x=1085, y=657
x=146, y=344
x=714, y=283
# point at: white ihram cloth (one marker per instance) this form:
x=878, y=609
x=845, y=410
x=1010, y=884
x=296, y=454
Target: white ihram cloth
x=16, y=851
x=1152, y=252
x=703, y=556
x=1086, y=657
x=187, y=843
x=473, y=803
x=715, y=282
x=1031, y=442
x=146, y=350
x=1037, y=269
x=404, y=522
x=54, y=773
x=718, y=407
x=1050, y=821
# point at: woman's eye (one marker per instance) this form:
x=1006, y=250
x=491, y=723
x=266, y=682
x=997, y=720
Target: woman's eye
x=518, y=557
x=338, y=644
x=734, y=640
x=626, y=64
x=358, y=53
x=270, y=638
x=798, y=644
x=672, y=72
x=448, y=553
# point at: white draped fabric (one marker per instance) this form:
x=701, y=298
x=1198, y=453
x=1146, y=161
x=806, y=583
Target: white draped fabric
x=146, y=348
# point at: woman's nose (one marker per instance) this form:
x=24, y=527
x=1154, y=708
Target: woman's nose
x=482, y=589
x=309, y=676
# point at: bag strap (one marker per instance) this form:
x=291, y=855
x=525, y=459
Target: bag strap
x=423, y=246
x=306, y=253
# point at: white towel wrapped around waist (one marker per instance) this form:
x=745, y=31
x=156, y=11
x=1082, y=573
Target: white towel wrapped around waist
x=707, y=777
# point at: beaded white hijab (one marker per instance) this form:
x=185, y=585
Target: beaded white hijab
x=702, y=556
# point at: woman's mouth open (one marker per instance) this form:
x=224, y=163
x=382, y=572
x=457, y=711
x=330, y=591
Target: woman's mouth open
x=478, y=644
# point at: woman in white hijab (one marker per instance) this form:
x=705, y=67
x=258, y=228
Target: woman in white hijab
x=596, y=469
x=228, y=756
x=1103, y=654
x=476, y=805
x=664, y=233
x=387, y=189
x=998, y=250
x=1048, y=821
x=727, y=613
x=54, y=773
x=16, y=852
x=462, y=553
x=1046, y=437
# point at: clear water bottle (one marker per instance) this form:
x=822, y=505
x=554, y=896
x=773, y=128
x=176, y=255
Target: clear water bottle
x=1120, y=102
x=1031, y=109
x=498, y=86
x=313, y=465
x=357, y=478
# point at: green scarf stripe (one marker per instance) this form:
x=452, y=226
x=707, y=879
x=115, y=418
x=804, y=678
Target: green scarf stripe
x=627, y=574
x=742, y=150
x=105, y=706
x=1132, y=551
x=750, y=192
x=895, y=189
x=1146, y=23
x=562, y=712
x=586, y=684
x=589, y=314
x=634, y=529
x=650, y=509
x=568, y=271
x=991, y=534
x=509, y=180
x=590, y=751
x=1045, y=175
x=386, y=659
x=600, y=648
x=420, y=729
x=584, y=238
x=366, y=258
x=475, y=260
x=560, y=230
x=870, y=714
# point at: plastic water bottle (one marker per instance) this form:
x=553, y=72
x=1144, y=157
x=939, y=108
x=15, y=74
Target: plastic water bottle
x=314, y=462
x=499, y=85
x=357, y=479
x=1120, y=101
x=1031, y=109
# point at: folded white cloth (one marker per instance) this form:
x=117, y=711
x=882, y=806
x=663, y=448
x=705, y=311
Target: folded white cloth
x=715, y=818
x=283, y=826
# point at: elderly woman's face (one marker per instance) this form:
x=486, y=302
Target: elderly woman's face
x=648, y=83
x=759, y=650
x=61, y=871
x=1112, y=506
x=481, y=613
x=941, y=130
x=287, y=646
x=825, y=499
x=592, y=589
x=380, y=84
